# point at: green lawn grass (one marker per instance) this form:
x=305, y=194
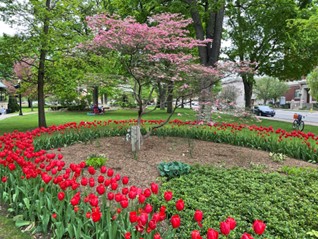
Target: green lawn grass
x=29, y=121
x=9, y=231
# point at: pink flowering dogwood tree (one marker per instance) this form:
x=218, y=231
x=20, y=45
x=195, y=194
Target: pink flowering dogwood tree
x=151, y=53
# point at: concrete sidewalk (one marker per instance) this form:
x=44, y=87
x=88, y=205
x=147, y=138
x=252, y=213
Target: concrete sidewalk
x=5, y=116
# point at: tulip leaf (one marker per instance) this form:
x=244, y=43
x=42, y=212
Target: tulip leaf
x=27, y=203
x=21, y=223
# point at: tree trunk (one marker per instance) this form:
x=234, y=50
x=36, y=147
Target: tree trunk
x=214, y=31
x=95, y=95
x=162, y=96
x=248, y=81
x=41, y=70
x=209, y=54
x=105, y=99
x=205, y=101
x=41, y=100
x=30, y=103
x=170, y=97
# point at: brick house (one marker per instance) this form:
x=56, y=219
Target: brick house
x=298, y=95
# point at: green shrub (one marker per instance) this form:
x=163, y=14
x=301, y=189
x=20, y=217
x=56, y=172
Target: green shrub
x=96, y=160
x=13, y=105
x=173, y=169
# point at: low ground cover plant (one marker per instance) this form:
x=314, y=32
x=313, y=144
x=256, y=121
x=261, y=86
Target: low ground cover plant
x=62, y=202
x=287, y=203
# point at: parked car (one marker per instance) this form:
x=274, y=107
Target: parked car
x=263, y=110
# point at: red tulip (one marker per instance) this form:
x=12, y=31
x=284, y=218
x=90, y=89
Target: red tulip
x=96, y=216
x=107, y=182
x=12, y=166
x=152, y=224
x=246, y=236
x=195, y=235
x=180, y=205
x=141, y=198
x=91, y=170
x=118, y=197
x=225, y=228
x=54, y=215
x=110, y=172
x=117, y=177
x=50, y=156
x=103, y=169
x=232, y=222
x=124, y=191
x=124, y=203
x=132, y=194
x=76, y=208
x=154, y=188
x=61, y=196
x=114, y=186
x=143, y=218
x=212, y=234
x=259, y=227
x=157, y=236
x=133, y=217
x=198, y=216
x=4, y=179
x=46, y=178
x=147, y=192
x=100, y=189
x=110, y=196
x=125, y=180
x=168, y=196
x=148, y=208
x=175, y=221
x=84, y=181
x=127, y=235
x=100, y=179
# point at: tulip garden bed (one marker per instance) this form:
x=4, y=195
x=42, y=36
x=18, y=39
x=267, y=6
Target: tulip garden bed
x=143, y=169
x=66, y=199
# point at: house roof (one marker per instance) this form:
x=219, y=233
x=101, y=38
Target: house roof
x=2, y=85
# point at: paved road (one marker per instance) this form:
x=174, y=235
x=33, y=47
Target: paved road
x=311, y=117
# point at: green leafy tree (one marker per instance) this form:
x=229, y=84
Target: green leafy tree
x=267, y=88
x=279, y=89
x=301, y=54
x=312, y=81
x=51, y=28
x=259, y=34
